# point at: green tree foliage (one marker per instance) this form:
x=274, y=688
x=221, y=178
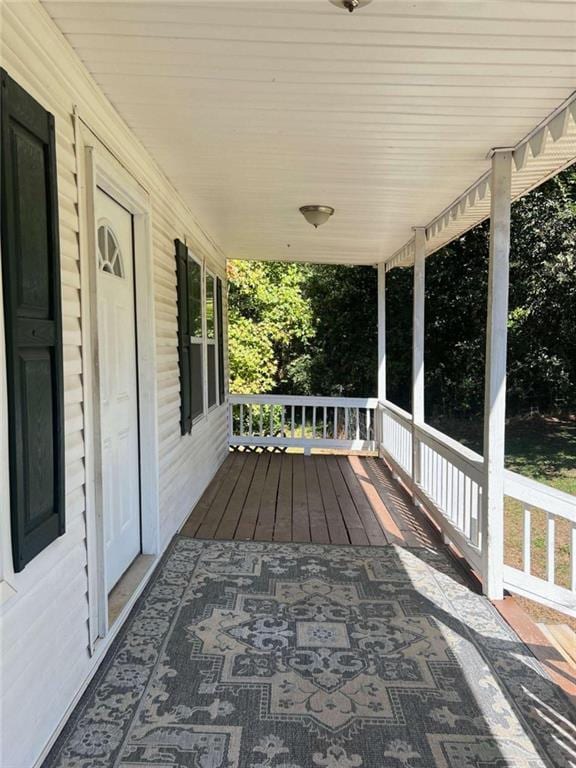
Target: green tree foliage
x=542, y=322
x=343, y=301
x=399, y=284
x=270, y=327
x=312, y=329
x=455, y=327
x=541, y=325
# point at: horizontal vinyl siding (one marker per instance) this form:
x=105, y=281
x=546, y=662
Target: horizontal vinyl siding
x=187, y=463
x=44, y=626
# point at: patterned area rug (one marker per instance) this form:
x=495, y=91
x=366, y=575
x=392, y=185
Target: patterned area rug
x=255, y=655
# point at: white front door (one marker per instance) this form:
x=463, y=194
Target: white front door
x=118, y=386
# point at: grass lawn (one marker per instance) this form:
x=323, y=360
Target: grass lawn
x=543, y=448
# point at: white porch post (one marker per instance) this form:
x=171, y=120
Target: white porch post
x=379, y=416
x=495, y=378
x=418, y=346
x=381, y=332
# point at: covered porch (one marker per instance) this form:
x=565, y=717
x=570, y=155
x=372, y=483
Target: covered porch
x=328, y=584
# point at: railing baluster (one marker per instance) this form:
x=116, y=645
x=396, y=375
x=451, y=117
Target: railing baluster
x=457, y=503
x=573, y=558
x=449, y=480
x=458, y=512
x=368, y=424
x=527, y=540
x=335, y=423
x=324, y=431
x=473, y=508
x=551, y=548
x=282, y=420
x=346, y=422
x=357, y=423
x=313, y=422
x=250, y=424
x=241, y=419
x=444, y=482
x=292, y=420
x=261, y=420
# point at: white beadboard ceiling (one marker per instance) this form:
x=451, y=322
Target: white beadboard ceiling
x=255, y=108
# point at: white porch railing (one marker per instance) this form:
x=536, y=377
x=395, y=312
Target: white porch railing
x=303, y=422
x=448, y=479
x=557, y=512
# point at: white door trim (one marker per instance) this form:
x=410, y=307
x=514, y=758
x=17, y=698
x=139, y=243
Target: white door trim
x=98, y=168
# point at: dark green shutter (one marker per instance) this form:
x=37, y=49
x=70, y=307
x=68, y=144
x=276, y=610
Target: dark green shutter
x=33, y=320
x=184, y=360
x=220, y=316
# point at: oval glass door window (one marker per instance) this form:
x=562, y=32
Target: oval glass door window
x=109, y=255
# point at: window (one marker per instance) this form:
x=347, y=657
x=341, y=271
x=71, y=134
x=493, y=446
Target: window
x=194, y=277
x=211, y=339
x=109, y=255
x=220, y=333
x=200, y=338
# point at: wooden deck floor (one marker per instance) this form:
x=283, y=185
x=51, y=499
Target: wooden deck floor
x=323, y=499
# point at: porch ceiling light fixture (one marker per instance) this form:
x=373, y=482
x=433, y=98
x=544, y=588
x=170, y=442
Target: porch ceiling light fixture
x=316, y=214
x=350, y=5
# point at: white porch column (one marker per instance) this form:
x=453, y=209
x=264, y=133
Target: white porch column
x=379, y=415
x=495, y=377
x=418, y=346
x=381, y=332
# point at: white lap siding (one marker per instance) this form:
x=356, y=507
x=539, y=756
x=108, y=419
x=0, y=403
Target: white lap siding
x=44, y=657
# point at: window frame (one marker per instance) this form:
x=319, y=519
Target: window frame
x=186, y=342
x=209, y=274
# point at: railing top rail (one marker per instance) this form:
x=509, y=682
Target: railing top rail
x=450, y=443
x=396, y=409
x=306, y=400
x=425, y=430
x=536, y=495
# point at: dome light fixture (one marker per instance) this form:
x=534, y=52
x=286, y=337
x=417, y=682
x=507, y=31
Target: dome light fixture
x=316, y=214
x=350, y=5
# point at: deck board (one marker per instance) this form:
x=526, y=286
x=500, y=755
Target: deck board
x=283, y=524
x=318, y=526
x=374, y=530
x=251, y=509
x=300, y=518
x=203, y=506
x=267, y=513
x=348, y=509
x=336, y=525
x=211, y=521
x=324, y=499
x=231, y=516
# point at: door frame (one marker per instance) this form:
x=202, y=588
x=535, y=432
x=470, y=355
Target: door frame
x=98, y=167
